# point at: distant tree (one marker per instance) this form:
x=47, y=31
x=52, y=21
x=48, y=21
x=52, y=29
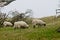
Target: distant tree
x=13, y=13
x=21, y=16
x=3, y=17
x=29, y=12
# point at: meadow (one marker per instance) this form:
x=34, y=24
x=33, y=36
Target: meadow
x=42, y=33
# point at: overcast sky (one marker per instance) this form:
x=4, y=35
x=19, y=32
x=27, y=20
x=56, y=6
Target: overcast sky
x=41, y=8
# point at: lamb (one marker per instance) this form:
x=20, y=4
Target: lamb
x=20, y=24
x=7, y=23
x=38, y=22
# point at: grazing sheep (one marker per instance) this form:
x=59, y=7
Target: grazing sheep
x=7, y=24
x=38, y=22
x=20, y=24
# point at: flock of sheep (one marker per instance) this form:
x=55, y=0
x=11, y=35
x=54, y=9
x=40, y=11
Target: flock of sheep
x=23, y=24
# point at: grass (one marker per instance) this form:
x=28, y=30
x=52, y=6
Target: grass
x=42, y=33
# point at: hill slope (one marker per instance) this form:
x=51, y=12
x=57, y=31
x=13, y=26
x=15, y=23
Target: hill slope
x=42, y=33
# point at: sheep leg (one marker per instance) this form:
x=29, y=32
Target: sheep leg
x=4, y=26
x=33, y=26
x=14, y=27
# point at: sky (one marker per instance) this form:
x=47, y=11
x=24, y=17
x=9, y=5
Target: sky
x=41, y=8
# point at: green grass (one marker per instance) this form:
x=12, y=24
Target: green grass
x=42, y=33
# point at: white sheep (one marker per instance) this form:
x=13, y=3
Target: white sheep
x=7, y=23
x=38, y=22
x=20, y=24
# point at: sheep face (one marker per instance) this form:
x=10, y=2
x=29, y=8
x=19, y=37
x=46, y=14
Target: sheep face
x=44, y=24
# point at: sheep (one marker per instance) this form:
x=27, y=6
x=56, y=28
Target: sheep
x=20, y=24
x=7, y=23
x=38, y=22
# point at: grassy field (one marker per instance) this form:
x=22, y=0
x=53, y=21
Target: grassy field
x=42, y=33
